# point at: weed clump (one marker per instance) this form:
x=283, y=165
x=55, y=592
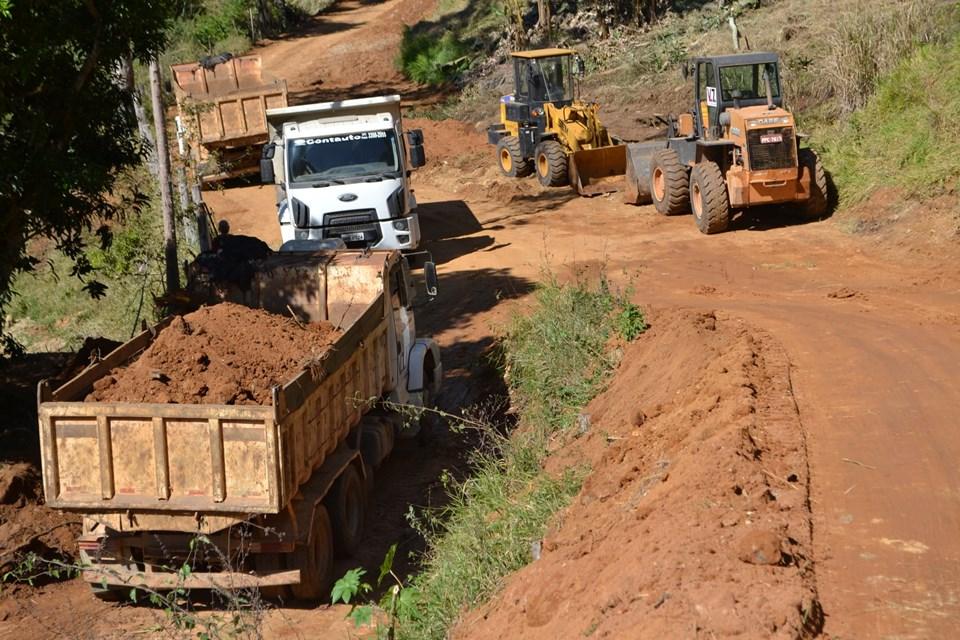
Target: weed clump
x=429, y=60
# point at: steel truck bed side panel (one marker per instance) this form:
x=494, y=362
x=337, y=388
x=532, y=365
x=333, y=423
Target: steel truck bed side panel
x=220, y=459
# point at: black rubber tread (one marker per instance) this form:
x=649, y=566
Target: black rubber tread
x=816, y=206
x=557, y=174
x=347, y=505
x=316, y=572
x=715, y=216
x=521, y=167
x=676, y=199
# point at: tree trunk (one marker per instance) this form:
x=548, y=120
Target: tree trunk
x=143, y=125
x=544, y=16
x=163, y=177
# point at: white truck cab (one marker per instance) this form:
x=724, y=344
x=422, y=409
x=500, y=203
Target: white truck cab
x=343, y=172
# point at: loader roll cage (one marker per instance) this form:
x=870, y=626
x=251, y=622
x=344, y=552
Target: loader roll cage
x=724, y=82
x=541, y=76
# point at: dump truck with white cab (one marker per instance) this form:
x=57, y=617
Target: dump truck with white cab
x=342, y=170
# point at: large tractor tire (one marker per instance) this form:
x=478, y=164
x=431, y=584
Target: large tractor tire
x=815, y=207
x=708, y=198
x=551, y=164
x=347, y=506
x=511, y=161
x=668, y=183
x=314, y=558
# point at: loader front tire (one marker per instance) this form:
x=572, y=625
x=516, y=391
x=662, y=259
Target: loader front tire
x=708, y=198
x=511, y=162
x=314, y=558
x=551, y=164
x=815, y=207
x=668, y=183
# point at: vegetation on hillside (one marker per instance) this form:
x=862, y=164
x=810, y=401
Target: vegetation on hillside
x=902, y=137
x=556, y=359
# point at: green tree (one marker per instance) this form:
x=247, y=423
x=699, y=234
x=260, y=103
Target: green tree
x=67, y=127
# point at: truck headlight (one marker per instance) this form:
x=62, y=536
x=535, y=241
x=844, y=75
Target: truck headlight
x=401, y=225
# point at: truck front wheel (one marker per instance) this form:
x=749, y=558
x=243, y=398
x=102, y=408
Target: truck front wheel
x=708, y=198
x=348, y=507
x=315, y=558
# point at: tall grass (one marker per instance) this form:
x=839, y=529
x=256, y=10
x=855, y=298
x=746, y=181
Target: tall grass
x=555, y=360
x=905, y=135
x=870, y=40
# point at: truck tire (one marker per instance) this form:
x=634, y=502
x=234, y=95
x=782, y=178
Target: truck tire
x=551, y=164
x=314, y=558
x=668, y=183
x=815, y=207
x=348, y=510
x=510, y=160
x=708, y=198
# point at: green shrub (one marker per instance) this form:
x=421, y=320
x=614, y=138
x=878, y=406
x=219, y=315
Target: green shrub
x=428, y=60
x=555, y=361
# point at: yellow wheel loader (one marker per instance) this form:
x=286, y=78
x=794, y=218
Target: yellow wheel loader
x=738, y=148
x=545, y=128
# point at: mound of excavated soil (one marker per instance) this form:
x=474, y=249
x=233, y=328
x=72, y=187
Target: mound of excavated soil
x=222, y=354
x=445, y=140
x=695, y=519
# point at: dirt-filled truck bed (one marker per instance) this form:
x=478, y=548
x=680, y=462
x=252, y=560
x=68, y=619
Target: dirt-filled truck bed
x=273, y=486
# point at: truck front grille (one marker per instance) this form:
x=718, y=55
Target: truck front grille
x=357, y=229
x=771, y=155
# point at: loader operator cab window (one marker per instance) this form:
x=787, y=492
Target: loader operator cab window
x=545, y=79
x=745, y=82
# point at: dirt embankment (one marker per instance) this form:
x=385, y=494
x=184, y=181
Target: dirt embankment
x=222, y=354
x=695, y=520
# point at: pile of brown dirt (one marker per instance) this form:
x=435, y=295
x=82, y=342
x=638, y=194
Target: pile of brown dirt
x=446, y=140
x=222, y=354
x=695, y=520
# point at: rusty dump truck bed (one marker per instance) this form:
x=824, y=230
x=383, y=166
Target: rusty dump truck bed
x=225, y=106
x=114, y=457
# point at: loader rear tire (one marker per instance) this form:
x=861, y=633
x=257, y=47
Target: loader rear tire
x=815, y=207
x=510, y=160
x=708, y=198
x=348, y=509
x=669, y=189
x=314, y=558
x=551, y=164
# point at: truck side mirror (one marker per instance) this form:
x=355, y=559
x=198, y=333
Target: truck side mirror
x=430, y=278
x=418, y=157
x=266, y=164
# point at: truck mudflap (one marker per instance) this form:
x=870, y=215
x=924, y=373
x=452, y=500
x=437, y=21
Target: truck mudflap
x=637, y=181
x=597, y=171
x=106, y=575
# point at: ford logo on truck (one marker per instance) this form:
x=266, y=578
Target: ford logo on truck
x=347, y=197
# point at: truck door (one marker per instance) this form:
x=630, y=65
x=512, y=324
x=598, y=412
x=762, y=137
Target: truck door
x=707, y=99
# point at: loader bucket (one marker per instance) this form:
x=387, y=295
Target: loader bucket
x=596, y=171
x=637, y=181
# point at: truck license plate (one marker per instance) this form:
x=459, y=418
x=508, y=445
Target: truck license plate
x=355, y=237
x=771, y=138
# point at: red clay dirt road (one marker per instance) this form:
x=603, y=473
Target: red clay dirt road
x=872, y=333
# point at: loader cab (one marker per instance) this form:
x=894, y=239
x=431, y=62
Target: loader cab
x=732, y=82
x=540, y=76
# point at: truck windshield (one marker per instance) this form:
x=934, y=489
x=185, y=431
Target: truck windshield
x=340, y=157
x=745, y=81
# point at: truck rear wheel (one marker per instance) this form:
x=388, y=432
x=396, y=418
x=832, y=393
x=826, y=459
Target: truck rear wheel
x=708, y=198
x=314, y=558
x=668, y=183
x=551, y=164
x=511, y=161
x=815, y=206
x=348, y=507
